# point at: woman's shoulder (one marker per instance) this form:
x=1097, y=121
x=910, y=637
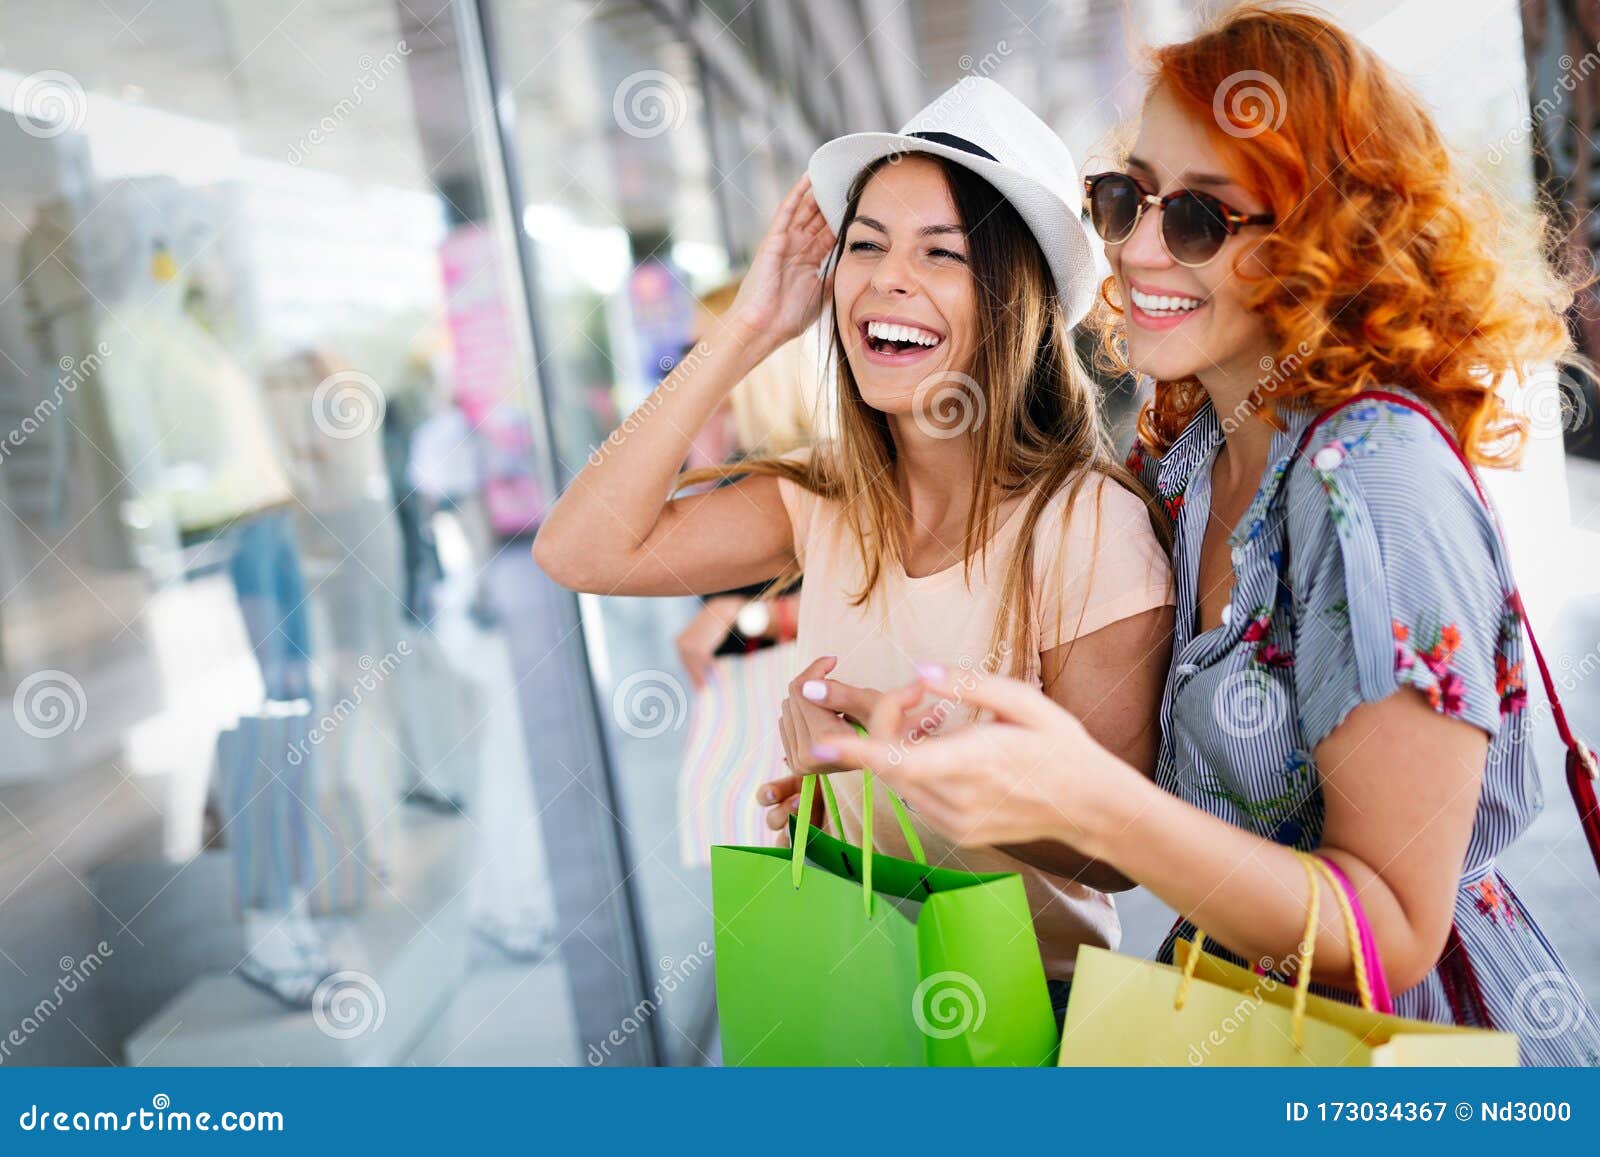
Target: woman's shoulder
x=1097, y=557
x=1382, y=512
x=1387, y=462
x=1079, y=506
x=1096, y=523
x=809, y=511
x=1390, y=544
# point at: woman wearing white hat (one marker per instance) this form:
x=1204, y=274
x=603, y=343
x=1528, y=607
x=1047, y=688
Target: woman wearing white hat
x=971, y=508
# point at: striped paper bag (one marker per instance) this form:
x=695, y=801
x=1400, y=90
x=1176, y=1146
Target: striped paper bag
x=731, y=746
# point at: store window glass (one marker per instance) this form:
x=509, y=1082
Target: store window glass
x=268, y=468
x=638, y=206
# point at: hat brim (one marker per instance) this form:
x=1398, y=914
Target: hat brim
x=1069, y=249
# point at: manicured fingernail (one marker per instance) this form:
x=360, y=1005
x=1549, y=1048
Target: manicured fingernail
x=825, y=752
x=815, y=690
x=930, y=672
x=794, y=805
x=768, y=796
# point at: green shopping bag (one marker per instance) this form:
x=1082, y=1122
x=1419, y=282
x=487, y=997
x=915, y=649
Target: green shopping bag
x=828, y=956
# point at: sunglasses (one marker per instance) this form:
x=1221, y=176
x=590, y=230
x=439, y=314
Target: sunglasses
x=1194, y=226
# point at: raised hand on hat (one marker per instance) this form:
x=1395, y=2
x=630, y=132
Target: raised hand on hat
x=783, y=290
x=620, y=528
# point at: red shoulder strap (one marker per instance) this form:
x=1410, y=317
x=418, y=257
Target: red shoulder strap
x=1582, y=770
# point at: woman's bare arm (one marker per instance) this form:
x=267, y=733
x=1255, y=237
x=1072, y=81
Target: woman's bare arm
x=1113, y=684
x=616, y=530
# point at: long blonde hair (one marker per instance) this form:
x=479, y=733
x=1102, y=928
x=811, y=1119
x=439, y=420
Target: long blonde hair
x=1039, y=429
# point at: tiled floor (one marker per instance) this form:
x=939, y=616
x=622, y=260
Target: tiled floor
x=505, y=1014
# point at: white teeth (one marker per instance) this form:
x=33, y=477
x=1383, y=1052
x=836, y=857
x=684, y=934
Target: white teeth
x=1159, y=303
x=886, y=332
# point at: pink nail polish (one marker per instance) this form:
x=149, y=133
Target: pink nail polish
x=824, y=752
x=815, y=690
x=930, y=672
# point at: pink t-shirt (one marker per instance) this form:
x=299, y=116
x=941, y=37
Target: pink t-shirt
x=1085, y=576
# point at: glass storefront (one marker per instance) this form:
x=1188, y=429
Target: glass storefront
x=311, y=314
x=614, y=168
x=270, y=619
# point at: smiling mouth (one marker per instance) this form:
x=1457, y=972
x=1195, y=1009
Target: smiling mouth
x=1161, y=305
x=890, y=339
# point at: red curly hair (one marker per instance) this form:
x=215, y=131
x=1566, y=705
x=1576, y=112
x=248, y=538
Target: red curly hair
x=1385, y=268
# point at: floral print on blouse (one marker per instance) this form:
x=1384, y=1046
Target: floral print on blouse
x=1369, y=566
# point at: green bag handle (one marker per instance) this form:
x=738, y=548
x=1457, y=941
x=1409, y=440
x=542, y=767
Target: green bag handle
x=802, y=827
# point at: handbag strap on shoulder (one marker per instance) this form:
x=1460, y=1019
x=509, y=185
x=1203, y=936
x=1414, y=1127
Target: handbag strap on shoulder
x=1582, y=767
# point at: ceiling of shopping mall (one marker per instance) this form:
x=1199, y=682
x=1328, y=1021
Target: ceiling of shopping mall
x=852, y=65
x=819, y=67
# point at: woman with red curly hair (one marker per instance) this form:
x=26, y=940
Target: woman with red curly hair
x=1321, y=301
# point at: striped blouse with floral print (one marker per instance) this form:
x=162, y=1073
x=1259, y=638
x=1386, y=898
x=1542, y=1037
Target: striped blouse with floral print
x=1371, y=565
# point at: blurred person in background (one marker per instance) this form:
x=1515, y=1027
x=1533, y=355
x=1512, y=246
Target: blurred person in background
x=772, y=411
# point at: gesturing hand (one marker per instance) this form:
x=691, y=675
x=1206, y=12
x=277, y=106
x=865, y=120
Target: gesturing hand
x=1031, y=773
x=781, y=294
x=818, y=711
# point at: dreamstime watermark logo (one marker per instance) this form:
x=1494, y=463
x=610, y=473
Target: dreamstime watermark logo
x=74, y=372
x=347, y=404
x=929, y=719
x=667, y=365
x=1572, y=72
x=1575, y=671
x=947, y=1004
x=649, y=703
x=1567, y=673
x=348, y=1004
x=1549, y=1004
x=1248, y=704
x=49, y=703
x=1275, y=371
x=373, y=672
x=649, y=102
x=948, y=404
x=74, y=973
x=988, y=63
x=1571, y=671
x=939, y=112
x=49, y=103
x=155, y=1119
x=1248, y=1003
x=373, y=72
x=1552, y=405
x=1249, y=103
x=673, y=973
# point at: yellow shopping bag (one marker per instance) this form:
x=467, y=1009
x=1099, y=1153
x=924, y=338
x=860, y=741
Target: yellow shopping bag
x=1126, y=1011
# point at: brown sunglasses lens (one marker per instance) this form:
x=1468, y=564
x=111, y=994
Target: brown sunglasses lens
x=1114, y=207
x=1192, y=227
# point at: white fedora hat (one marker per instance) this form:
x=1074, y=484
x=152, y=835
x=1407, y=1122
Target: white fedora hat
x=981, y=126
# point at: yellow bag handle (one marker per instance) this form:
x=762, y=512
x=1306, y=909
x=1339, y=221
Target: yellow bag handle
x=1314, y=867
